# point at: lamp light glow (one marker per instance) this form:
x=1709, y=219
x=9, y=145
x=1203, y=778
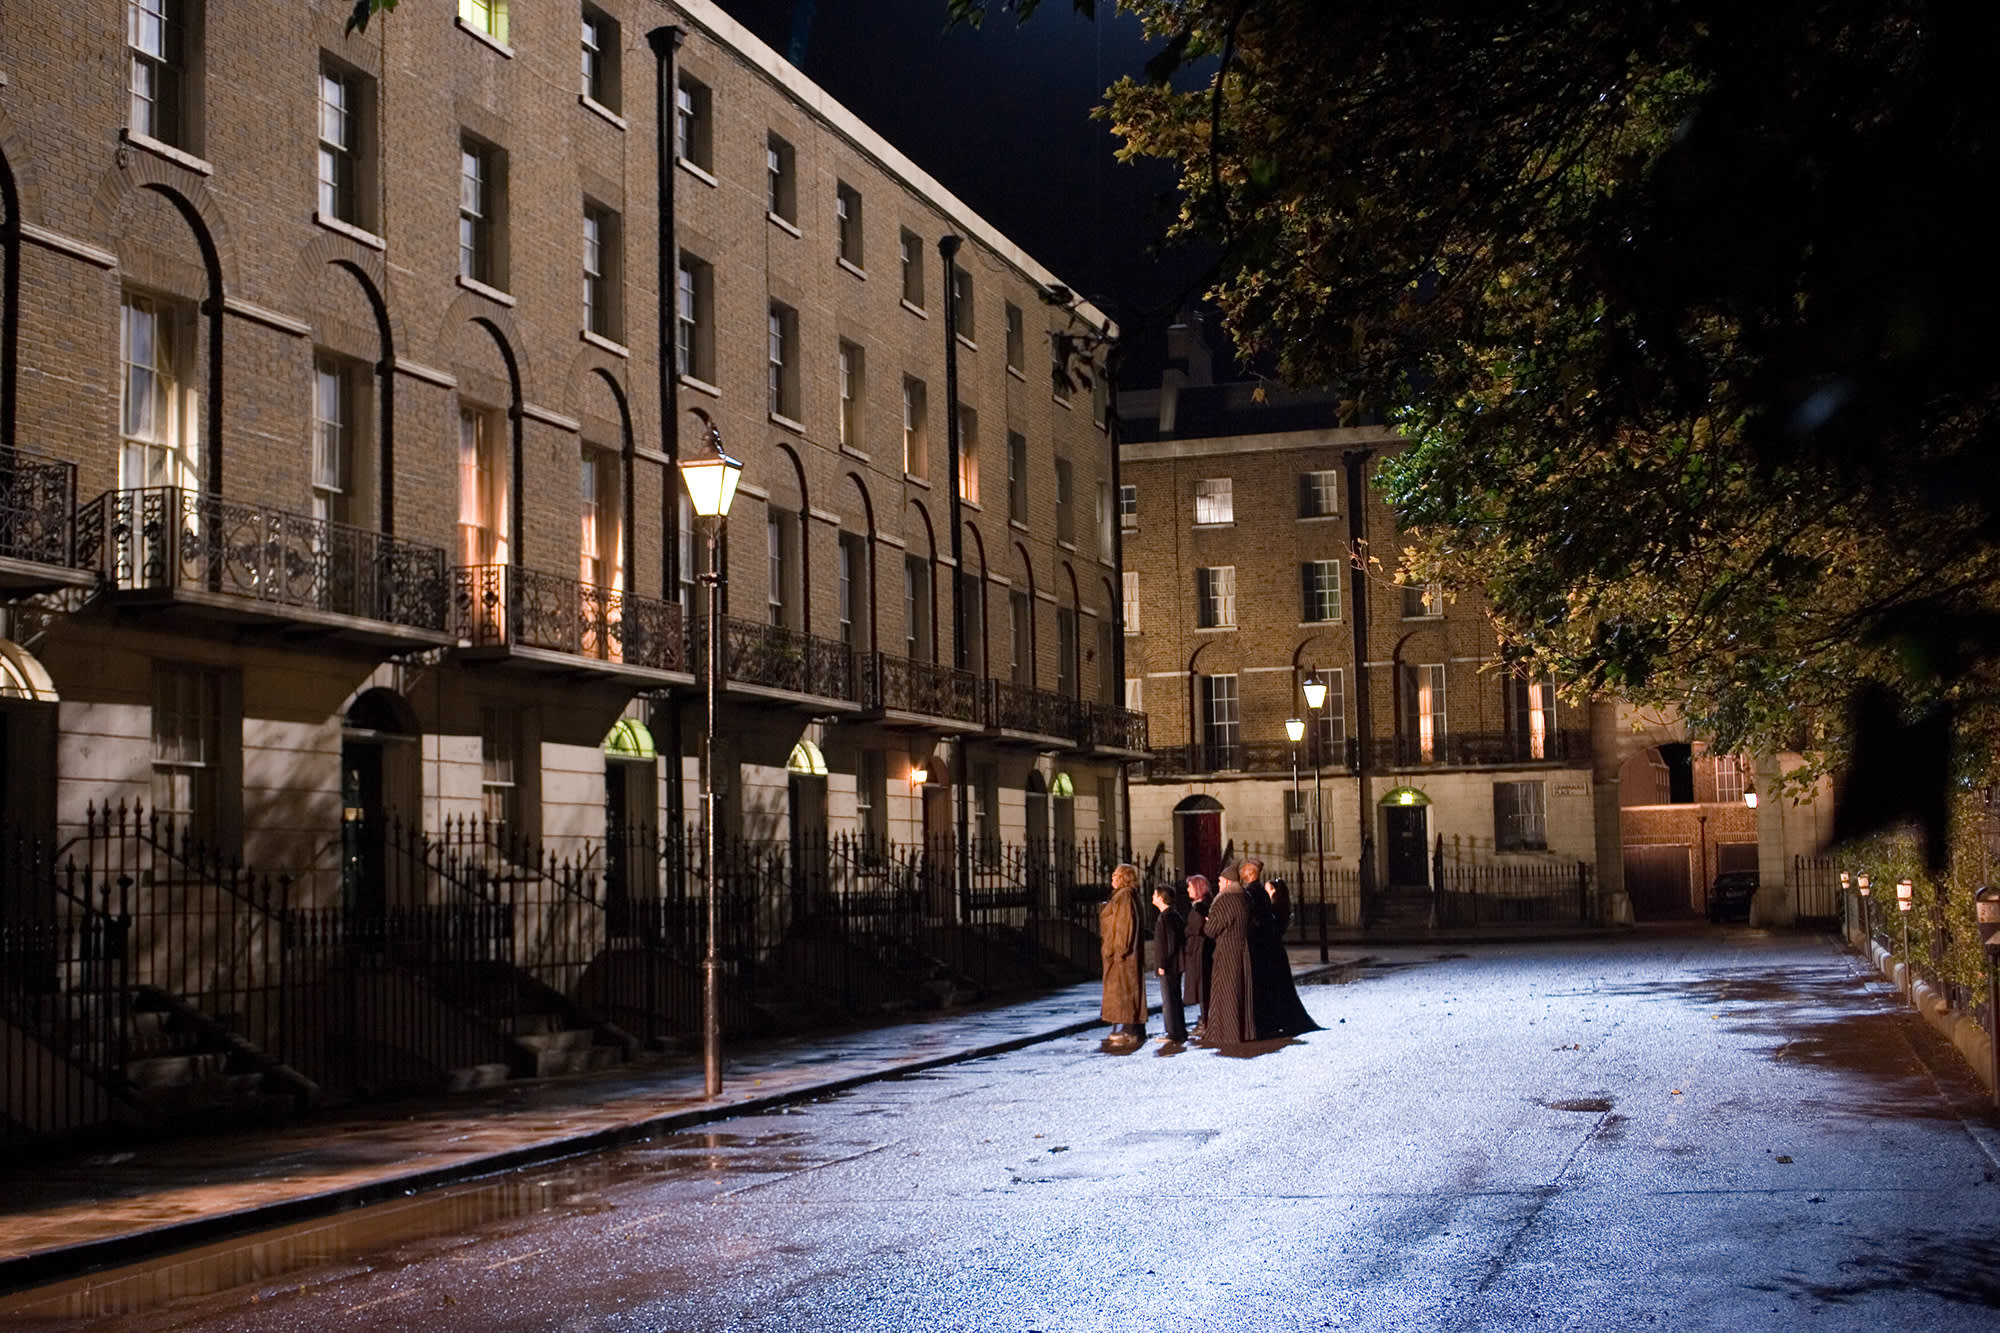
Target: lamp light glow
x=1750, y=799
x=919, y=776
x=711, y=474
x=1861, y=883
x=1904, y=888
x=1295, y=730
x=1315, y=692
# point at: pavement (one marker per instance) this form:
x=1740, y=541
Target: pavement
x=69, y=1217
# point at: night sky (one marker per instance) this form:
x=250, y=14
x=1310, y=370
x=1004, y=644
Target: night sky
x=1001, y=116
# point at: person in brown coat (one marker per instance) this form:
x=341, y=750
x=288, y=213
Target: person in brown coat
x=1118, y=944
x=1200, y=948
x=1230, y=1016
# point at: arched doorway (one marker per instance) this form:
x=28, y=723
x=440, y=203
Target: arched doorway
x=378, y=788
x=27, y=760
x=1406, y=837
x=805, y=772
x=934, y=795
x=1198, y=834
x=1041, y=882
x=631, y=814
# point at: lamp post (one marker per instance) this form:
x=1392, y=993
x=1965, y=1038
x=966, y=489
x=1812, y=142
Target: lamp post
x=1295, y=730
x=1315, y=691
x=1904, y=892
x=1986, y=905
x=1867, y=930
x=711, y=476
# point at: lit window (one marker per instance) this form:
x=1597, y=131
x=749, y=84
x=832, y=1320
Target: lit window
x=1214, y=500
x=1423, y=600
x=482, y=488
x=968, y=454
x=1129, y=602
x=485, y=16
x=159, y=406
x=601, y=538
x=1520, y=817
x=1424, y=719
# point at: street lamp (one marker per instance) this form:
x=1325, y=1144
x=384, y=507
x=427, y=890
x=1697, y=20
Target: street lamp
x=1904, y=891
x=1315, y=691
x=1867, y=932
x=1295, y=730
x=711, y=476
x=1986, y=907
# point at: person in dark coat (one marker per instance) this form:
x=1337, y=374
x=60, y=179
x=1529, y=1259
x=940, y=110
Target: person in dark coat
x=1280, y=1012
x=1169, y=949
x=1229, y=1018
x=1200, y=948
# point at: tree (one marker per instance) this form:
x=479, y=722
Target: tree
x=1684, y=305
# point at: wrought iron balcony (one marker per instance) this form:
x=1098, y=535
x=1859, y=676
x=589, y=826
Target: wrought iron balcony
x=1032, y=715
x=772, y=657
x=1115, y=730
x=251, y=561
x=1475, y=749
x=551, y=622
x=919, y=691
x=37, y=513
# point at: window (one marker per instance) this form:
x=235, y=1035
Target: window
x=684, y=550
x=188, y=735
x=916, y=428
x=783, y=376
x=985, y=814
x=1135, y=692
x=693, y=123
x=1214, y=500
x=962, y=322
x=1319, y=494
x=852, y=376
x=1520, y=817
x=1329, y=720
x=1020, y=616
x=1107, y=659
x=912, y=251
x=1017, y=476
x=1060, y=348
x=1129, y=600
x=1128, y=506
x=482, y=487
x=968, y=454
x=1017, y=342
x=1107, y=532
x=1319, y=590
x=854, y=599
x=972, y=594
x=781, y=188
x=1531, y=720
x=694, y=319
x=1220, y=722
x=1066, y=665
x=1423, y=705
x=918, y=642
x=601, y=540
x=1728, y=776
x=871, y=797
x=339, y=424
x=1423, y=600
x=774, y=532
x=1065, y=502
x=481, y=198
x=346, y=149
x=603, y=253
x=161, y=50
x=159, y=408
x=847, y=214
x=488, y=17
x=1215, y=597
x=600, y=58
x=500, y=768
x=1100, y=398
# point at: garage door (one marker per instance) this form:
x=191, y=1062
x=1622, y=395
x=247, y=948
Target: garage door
x=1656, y=879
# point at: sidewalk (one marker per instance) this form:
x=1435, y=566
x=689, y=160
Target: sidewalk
x=118, y=1207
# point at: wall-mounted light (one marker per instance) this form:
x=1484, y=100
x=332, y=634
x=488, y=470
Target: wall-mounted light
x=919, y=775
x=1750, y=799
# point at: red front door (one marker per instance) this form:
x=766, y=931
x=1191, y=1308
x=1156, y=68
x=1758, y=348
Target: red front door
x=1201, y=842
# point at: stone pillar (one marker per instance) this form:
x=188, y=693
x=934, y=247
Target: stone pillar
x=1610, y=840
x=1776, y=903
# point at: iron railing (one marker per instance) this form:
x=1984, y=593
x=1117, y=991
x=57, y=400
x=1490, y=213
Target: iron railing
x=165, y=537
x=1023, y=708
x=926, y=688
x=1479, y=749
x=1498, y=894
x=1111, y=727
x=777, y=658
x=506, y=605
x=37, y=507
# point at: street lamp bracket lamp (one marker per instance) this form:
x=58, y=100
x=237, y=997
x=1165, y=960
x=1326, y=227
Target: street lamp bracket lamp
x=1904, y=888
x=1315, y=692
x=1295, y=730
x=711, y=476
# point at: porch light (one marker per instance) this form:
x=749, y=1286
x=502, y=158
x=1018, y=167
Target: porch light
x=710, y=474
x=919, y=776
x=1295, y=730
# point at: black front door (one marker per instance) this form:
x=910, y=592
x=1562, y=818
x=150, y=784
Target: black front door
x=1406, y=830
x=363, y=859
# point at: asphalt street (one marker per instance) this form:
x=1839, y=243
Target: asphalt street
x=1713, y=1130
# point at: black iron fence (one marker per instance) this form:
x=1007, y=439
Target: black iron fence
x=37, y=504
x=506, y=605
x=165, y=537
x=1111, y=727
x=1479, y=749
x=1322, y=897
x=1023, y=708
x=901, y=684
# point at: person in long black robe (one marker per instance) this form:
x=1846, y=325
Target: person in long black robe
x=1169, y=955
x=1280, y=1012
x=1199, y=949
x=1229, y=1018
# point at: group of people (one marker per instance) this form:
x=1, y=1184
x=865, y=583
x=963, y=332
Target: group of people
x=1223, y=950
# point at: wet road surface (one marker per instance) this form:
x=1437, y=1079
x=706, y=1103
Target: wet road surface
x=1719, y=1130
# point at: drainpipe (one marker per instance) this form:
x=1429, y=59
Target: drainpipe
x=1356, y=461
x=1118, y=568
x=666, y=43
x=948, y=248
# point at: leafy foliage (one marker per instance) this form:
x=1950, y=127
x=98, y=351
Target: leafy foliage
x=1684, y=305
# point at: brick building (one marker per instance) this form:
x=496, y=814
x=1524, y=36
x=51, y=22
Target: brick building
x=1241, y=509
x=342, y=385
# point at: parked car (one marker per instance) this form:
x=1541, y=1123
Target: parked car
x=1729, y=897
